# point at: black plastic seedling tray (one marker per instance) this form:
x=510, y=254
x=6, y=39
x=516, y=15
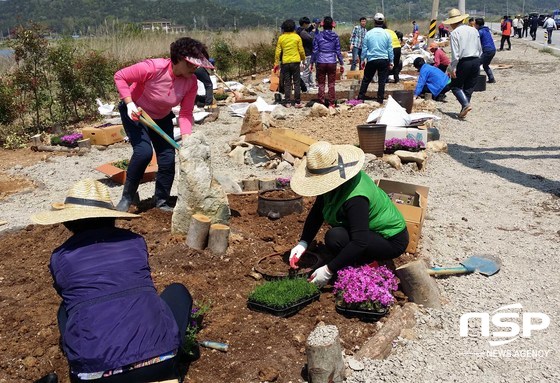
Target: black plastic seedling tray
x=365, y=315
x=283, y=312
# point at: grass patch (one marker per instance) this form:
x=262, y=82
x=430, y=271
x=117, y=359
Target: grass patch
x=283, y=293
x=547, y=50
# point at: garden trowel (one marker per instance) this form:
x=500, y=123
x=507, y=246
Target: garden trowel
x=484, y=264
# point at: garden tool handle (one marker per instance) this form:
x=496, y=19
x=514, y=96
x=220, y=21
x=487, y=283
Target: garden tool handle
x=225, y=83
x=214, y=345
x=449, y=270
x=145, y=119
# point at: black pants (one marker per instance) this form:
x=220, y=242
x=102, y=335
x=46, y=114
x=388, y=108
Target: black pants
x=533, y=33
x=179, y=300
x=504, y=39
x=398, y=65
x=142, y=138
x=467, y=73
x=378, y=248
x=382, y=68
x=485, y=60
x=446, y=89
x=203, y=76
x=442, y=67
x=525, y=30
x=291, y=76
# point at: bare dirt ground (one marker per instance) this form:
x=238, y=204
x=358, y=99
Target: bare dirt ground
x=496, y=191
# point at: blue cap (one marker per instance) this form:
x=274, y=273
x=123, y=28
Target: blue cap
x=212, y=61
x=316, y=20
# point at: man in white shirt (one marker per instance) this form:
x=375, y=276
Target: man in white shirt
x=465, y=59
x=549, y=25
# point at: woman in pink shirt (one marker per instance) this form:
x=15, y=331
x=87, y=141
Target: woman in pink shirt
x=156, y=86
x=441, y=60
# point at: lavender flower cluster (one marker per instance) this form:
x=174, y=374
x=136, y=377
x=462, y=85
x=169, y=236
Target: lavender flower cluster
x=71, y=139
x=366, y=284
x=282, y=182
x=354, y=102
x=404, y=143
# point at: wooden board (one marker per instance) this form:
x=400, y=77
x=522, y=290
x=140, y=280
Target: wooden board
x=281, y=140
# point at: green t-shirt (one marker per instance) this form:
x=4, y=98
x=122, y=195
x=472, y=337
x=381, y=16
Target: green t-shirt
x=384, y=217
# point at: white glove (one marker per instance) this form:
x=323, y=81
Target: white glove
x=132, y=111
x=296, y=253
x=321, y=276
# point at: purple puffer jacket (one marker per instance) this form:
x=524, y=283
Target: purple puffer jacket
x=326, y=48
x=115, y=316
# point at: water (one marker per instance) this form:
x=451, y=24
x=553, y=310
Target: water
x=6, y=52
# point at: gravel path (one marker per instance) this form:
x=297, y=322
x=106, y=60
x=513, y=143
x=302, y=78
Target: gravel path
x=496, y=192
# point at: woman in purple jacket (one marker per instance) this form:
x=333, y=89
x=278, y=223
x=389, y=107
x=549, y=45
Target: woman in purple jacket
x=114, y=327
x=326, y=52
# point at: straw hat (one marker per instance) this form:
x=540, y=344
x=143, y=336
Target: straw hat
x=86, y=199
x=326, y=167
x=455, y=16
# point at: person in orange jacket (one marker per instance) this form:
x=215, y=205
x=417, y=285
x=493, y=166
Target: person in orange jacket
x=506, y=33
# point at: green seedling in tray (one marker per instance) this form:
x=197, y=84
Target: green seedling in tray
x=283, y=293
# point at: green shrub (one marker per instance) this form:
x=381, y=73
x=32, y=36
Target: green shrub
x=283, y=293
x=222, y=52
x=344, y=41
x=7, y=107
x=265, y=56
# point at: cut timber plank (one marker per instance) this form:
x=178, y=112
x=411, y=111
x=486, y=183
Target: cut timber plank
x=278, y=141
x=296, y=136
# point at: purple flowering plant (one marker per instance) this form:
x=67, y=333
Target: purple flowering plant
x=409, y=144
x=71, y=140
x=365, y=288
x=282, y=183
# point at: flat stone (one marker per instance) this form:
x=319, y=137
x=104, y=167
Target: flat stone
x=318, y=110
x=355, y=365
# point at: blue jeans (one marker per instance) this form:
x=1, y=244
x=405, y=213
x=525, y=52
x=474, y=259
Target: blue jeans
x=485, y=60
x=356, y=52
x=549, y=31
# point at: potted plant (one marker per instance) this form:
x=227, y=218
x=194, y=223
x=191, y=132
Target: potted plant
x=364, y=292
x=116, y=170
x=283, y=297
x=69, y=140
x=409, y=144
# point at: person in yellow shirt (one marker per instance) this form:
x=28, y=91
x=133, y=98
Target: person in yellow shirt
x=290, y=53
x=396, y=43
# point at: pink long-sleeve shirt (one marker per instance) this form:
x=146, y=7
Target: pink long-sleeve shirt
x=441, y=58
x=153, y=87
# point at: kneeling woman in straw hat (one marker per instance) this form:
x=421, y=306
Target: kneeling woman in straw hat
x=365, y=225
x=114, y=326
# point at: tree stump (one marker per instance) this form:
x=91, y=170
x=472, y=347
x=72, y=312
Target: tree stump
x=251, y=184
x=325, y=363
x=267, y=184
x=417, y=284
x=218, y=238
x=36, y=140
x=197, y=236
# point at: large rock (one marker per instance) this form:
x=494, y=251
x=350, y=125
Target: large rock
x=436, y=146
x=418, y=157
x=318, y=110
x=197, y=191
x=252, y=122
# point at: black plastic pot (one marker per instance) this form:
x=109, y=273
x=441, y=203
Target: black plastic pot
x=364, y=315
x=282, y=312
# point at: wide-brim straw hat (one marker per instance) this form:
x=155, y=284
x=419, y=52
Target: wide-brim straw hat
x=86, y=199
x=326, y=167
x=455, y=16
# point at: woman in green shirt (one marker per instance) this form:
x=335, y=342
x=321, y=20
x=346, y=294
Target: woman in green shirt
x=365, y=224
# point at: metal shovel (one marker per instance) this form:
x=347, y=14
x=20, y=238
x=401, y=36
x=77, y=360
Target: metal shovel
x=484, y=264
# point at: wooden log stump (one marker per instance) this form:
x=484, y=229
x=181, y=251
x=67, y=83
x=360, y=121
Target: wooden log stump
x=197, y=235
x=380, y=345
x=251, y=184
x=325, y=363
x=417, y=284
x=36, y=140
x=218, y=238
x=51, y=148
x=84, y=144
x=267, y=184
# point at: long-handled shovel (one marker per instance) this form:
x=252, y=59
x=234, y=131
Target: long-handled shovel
x=236, y=94
x=146, y=120
x=484, y=264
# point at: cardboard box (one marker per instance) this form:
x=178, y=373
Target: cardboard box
x=413, y=213
x=409, y=85
x=105, y=134
x=274, y=81
x=355, y=74
x=403, y=132
x=118, y=175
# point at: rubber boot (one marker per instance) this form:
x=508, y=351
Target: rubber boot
x=463, y=100
x=50, y=378
x=129, y=196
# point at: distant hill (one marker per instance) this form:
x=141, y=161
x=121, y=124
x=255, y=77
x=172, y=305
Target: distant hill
x=81, y=16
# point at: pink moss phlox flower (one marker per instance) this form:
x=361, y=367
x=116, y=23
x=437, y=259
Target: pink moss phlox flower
x=403, y=143
x=366, y=284
x=71, y=138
